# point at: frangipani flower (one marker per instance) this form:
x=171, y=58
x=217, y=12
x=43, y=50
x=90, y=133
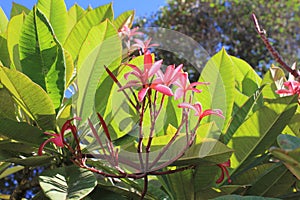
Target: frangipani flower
x=224, y=170
x=184, y=85
x=144, y=76
x=58, y=138
x=170, y=76
x=293, y=87
x=129, y=33
x=197, y=107
x=144, y=45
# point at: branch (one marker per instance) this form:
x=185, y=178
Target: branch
x=271, y=49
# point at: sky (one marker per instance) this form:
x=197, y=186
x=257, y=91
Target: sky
x=141, y=7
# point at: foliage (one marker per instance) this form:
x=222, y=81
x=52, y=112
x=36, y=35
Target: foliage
x=227, y=23
x=130, y=129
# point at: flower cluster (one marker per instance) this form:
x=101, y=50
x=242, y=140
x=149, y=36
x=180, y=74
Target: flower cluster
x=145, y=83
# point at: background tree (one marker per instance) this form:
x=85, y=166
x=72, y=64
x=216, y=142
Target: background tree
x=215, y=24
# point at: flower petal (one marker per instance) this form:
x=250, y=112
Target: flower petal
x=217, y=112
x=189, y=106
x=57, y=140
x=178, y=93
x=154, y=68
x=142, y=93
x=163, y=89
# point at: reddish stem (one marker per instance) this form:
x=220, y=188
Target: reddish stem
x=271, y=49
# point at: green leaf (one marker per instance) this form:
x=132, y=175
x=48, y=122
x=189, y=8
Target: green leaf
x=21, y=132
x=80, y=31
x=93, y=67
x=126, y=18
x=3, y=21
x=247, y=80
x=205, y=176
x=96, y=35
x=9, y=145
x=74, y=15
x=32, y=161
x=7, y=109
x=30, y=97
x=238, y=197
x=251, y=175
x=42, y=56
x=261, y=129
x=56, y=13
x=288, y=142
x=13, y=36
x=4, y=55
x=69, y=182
x=205, y=151
x=18, y=9
x=289, y=161
x=294, y=124
x=219, y=71
x=275, y=182
x=10, y=171
x=242, y=114
x=179, y=185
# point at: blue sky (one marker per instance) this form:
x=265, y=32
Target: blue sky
x=142, y=7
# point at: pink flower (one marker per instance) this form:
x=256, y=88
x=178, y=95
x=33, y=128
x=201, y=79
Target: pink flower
x=197, y=107
x=224, y=169
x=143, y=77
x=164, y=80
x=293, y=87
x=58, y=138
x=170, y=76
x=144, y=45
x=126, y=31
x=184, y=85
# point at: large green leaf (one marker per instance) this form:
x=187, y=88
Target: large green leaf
x=56, y=12
x=10, y=170
x=96, y=35
x=274, y=182
x=18, y=9
x=205, y=151
x=241, y=115
x=10, y=145
x=69, y=182
x=3, y=21
x=13, y=36
x=30, y=97
x=32, y=161
x=179, y=185
x=80, y=31
x=294, y=124
x=246, y=79
x=74, y=15
x=288, y=152
x=261, y=129
x=93, y=67
x=4, y=55
x=7, y=109
x=42, y=56
x=21, y=132
x=238, y=197
x=126, y=18
x=219, y=71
